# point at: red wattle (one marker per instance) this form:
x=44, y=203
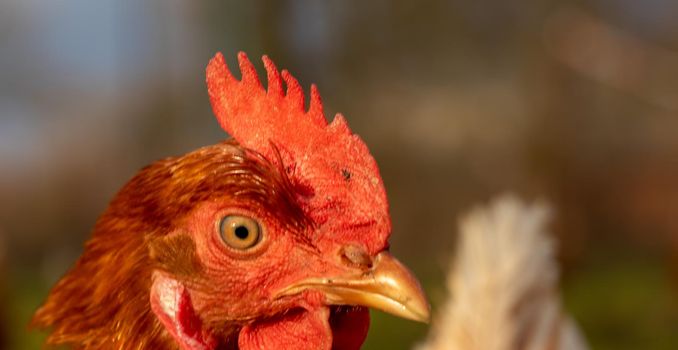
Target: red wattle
x=298, y=330
x=349, y=327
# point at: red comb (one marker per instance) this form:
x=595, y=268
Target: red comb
x=255, y=116
x=329, y=159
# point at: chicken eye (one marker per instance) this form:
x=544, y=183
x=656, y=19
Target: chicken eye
x=239, y=232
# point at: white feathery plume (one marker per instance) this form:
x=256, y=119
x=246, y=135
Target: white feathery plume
x=503, y=285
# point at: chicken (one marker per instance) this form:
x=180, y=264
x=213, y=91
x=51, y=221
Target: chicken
x=276, y=239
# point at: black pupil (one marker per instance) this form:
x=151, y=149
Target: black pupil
x=242, y=232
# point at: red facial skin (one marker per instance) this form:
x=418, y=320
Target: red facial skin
x=252, y=279
x=156, y=273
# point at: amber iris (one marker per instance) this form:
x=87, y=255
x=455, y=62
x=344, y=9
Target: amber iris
x=239, y=232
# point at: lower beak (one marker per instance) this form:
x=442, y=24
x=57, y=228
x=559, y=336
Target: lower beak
x=388, y=286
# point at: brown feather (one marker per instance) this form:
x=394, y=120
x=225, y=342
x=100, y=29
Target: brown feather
x=103, y=301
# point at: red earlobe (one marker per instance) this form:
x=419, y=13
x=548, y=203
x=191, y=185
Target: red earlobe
x=172, y=305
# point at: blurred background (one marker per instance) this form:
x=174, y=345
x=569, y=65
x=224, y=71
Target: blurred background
x=574, y=102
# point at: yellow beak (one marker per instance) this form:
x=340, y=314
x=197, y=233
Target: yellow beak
x=388, y=286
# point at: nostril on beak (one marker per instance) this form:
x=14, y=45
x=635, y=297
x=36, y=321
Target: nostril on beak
x=354, y=255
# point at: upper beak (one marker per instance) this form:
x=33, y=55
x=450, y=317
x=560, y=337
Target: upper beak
x=388, y=286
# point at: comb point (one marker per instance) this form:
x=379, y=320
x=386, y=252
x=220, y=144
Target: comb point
x=339, y=125
x=295, y=95
x=249, y=73
x=273, y=77
x=219, y=80
x=217, y=71
x=315, y=107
